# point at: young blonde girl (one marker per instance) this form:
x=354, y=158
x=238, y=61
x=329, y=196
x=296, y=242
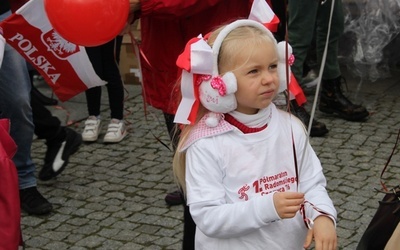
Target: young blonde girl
x=236, y=159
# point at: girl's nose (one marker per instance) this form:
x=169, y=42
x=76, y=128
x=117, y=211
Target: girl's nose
x=267, y=78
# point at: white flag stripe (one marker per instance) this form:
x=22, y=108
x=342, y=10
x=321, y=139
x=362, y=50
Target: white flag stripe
x=261, y=12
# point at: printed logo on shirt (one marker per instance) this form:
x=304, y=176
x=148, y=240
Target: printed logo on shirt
x=267, y=184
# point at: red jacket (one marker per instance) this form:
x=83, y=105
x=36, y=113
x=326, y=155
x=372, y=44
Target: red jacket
x=10, y=212
x=166, y=26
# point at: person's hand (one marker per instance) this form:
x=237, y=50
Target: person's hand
x=134, y=5
x=288, y=203
x=324, y=234
x=127, y=26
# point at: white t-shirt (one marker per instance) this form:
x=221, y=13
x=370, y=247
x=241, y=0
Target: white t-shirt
x=231, y=176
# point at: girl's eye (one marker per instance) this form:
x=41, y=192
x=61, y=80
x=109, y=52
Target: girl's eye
x=254, y=71
x=273, y=66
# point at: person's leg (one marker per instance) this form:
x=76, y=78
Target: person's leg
x=15, y=105
x=59, y=140
x=34, y=91
x=172, y=129
x=176, y=197
x=47, y=126
x=189, y=230
x=93, y=98
x=332, y=99
x=332, y=67
x=116, y=130
x=118, y=45
x=15, y=89
x=112, y=75
x=301, y=23
x=93, y=95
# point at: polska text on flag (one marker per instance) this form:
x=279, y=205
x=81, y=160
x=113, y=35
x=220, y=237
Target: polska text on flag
x=65, y=66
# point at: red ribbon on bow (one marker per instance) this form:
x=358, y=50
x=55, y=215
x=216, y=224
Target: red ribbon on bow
x=183, y=60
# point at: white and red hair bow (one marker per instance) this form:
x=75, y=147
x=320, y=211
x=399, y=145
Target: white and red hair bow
x=198, y=60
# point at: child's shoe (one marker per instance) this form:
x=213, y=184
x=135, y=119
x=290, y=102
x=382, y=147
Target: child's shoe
x=92, y=129
x=116, y=131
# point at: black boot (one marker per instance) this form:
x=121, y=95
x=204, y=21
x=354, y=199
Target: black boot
x=317, y=128
x=333, y=101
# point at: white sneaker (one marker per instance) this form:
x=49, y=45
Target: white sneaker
x=116, y=131
x=92, y=129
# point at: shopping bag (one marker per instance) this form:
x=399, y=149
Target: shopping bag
x=383, y=224
x=394, y=241
x=383, y=232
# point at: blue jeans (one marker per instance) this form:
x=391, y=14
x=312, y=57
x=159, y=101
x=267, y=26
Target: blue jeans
x=15, y=87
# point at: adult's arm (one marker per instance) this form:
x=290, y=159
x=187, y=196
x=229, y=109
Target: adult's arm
x=172, y=8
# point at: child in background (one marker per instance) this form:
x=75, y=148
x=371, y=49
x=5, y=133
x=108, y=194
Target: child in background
x=105, y=59
x=236, y=155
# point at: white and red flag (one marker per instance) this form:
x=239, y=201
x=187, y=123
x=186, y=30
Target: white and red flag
x=262, y=13
x=65, y=66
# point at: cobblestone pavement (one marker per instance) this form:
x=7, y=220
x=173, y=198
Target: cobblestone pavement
x=112, y=196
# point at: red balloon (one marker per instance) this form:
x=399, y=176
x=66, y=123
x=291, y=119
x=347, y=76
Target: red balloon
x=87, y=22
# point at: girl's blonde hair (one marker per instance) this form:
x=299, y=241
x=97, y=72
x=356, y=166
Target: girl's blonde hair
x=232, y=47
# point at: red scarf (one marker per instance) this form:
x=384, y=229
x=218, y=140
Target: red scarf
x=245, y=129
